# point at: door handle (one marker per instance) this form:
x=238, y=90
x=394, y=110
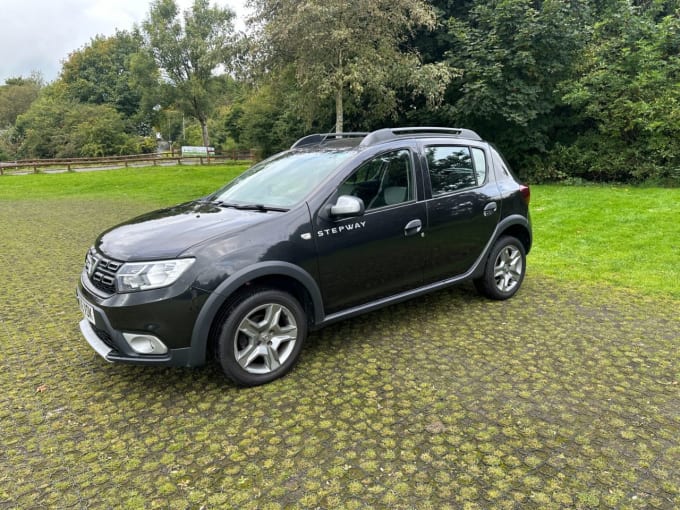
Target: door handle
x=490, y=208
x=413, y=227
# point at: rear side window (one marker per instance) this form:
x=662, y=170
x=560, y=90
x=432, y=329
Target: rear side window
x=502, y=165
x=480, y=164
x=451, y=169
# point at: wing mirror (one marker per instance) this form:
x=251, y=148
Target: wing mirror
x=347, y=205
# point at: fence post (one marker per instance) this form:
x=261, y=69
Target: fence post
x=35, y=169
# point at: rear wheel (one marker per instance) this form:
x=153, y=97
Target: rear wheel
x=504, y=270
x=261, y=337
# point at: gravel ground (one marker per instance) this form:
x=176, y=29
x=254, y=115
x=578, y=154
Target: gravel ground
x=562, y=397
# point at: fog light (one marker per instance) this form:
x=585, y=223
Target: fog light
x=145, y=344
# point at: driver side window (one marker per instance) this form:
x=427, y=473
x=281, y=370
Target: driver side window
x=385, y=180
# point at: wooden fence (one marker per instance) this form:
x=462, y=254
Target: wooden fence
x=159, y=158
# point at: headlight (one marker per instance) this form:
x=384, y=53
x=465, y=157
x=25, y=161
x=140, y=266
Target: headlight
x=135, y=276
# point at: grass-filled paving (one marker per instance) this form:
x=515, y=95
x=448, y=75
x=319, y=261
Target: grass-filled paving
x=565, y=396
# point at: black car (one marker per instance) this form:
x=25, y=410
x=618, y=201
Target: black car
x=339, y=225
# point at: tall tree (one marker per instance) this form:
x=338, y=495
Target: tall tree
x=514, y=53
x=115, y=71
x=189, y=50
x=348, y=47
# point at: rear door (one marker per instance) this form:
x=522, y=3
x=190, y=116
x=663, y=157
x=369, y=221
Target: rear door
x=463, y=208
x=380, y=252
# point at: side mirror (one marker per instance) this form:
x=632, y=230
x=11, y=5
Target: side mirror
x=347, y=205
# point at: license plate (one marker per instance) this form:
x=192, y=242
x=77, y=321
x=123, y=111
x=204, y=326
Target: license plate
x=86, y=308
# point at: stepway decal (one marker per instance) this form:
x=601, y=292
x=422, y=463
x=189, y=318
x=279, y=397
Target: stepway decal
x=340, y=229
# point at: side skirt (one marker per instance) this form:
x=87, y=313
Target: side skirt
x=391, y=300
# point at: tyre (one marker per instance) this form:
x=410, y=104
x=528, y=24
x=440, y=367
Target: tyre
x=504, y=270
x=261, y=337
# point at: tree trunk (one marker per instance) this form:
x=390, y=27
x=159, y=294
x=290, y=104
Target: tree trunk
x=204, y=131
x=339, y=117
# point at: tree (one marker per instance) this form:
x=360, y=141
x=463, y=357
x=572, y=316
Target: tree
x=341, y=47
x=189, y=51
x=56, y=126
x=115, y=71
x=627, y=99
x=267, y=117
x=16, y=96
x=513, y=54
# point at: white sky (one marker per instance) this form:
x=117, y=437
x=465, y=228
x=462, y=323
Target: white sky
x=37, y=35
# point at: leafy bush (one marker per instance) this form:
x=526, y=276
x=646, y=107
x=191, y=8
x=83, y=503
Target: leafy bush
x=628, y=101
x=58, y=127
x=146, y=145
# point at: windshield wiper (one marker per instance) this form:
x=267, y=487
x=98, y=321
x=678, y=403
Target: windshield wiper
x=260, y=207
x=252, y=207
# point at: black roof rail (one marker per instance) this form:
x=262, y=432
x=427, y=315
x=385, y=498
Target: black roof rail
x=319, y=138
x=384, y=135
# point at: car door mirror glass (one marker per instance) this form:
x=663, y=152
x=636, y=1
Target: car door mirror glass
x=347, y=205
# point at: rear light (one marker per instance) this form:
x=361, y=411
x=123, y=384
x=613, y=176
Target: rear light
x=526, y=193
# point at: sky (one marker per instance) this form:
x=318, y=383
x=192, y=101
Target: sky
x=37, y=35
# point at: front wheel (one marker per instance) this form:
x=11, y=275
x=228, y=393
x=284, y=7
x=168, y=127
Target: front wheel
x=504, y=270
x=261, y=337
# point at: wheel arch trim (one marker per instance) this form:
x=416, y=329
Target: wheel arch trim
x=509, y=222
x=214, y=303
x=502, y=226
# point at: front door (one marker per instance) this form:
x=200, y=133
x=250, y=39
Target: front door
x=378, y=253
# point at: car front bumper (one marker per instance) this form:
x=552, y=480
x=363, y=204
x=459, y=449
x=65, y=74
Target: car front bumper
x=171, y=320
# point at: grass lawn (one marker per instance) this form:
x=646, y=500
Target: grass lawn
x=155, y=185
x=620, y=236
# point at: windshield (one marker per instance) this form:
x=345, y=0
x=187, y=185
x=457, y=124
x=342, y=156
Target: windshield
x=281, y=181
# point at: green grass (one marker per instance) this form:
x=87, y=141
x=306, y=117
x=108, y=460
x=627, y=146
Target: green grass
x=620, y=236
x=158, y=185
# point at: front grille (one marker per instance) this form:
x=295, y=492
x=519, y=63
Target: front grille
x=102, y=271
